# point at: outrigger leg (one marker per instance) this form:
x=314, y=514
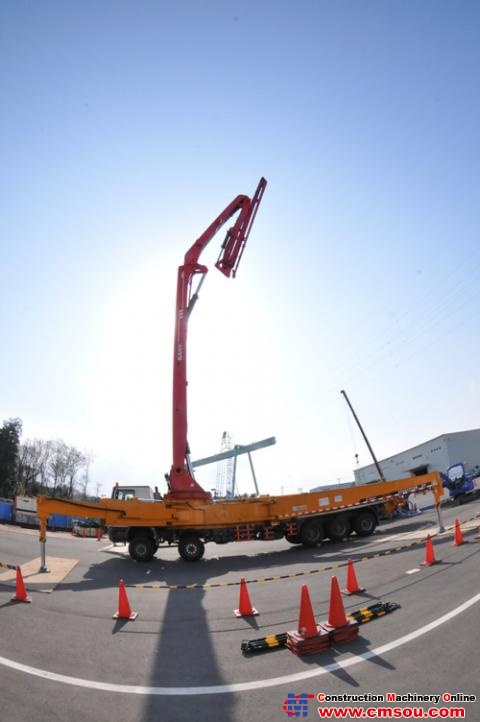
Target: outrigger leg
x=43, y=541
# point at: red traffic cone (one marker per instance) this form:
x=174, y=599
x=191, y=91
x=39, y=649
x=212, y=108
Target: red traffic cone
x=124, y=609
x=245, y=608
x=307, y=626
x=352, y=584
x=458, y=539
x=20, y=591
x=429, y=553
x=336, y=612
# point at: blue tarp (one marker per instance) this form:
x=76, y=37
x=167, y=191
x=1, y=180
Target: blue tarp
x=6, y=510
x=60, y=521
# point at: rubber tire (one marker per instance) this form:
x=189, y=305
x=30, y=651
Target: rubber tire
x=365, y=523
x=338, y=528
x=191, y=548
x=311, y=533
x=142, y=549
x=293, y=539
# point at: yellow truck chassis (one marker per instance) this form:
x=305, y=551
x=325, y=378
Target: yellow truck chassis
x=305, y=518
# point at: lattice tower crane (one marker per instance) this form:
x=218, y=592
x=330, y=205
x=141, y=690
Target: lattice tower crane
x=224, y=486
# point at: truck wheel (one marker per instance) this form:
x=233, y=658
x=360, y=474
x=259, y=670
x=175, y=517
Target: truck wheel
x=338, y=528
x=141, y=549
x=293, y=538
x=191, y=548
x=311, y=533
x=365, y=523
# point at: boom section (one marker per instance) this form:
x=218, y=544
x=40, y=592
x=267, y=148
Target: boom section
x=181, y=480
x=204, y=514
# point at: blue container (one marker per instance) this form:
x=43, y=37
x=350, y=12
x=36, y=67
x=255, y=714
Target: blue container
x=6, y=510
x=60, y=521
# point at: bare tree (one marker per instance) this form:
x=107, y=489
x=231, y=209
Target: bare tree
x=85, y=479
x=33, y=466
x=27, y=469
x=57, y=467
x=75, y=461
x=65, y=465
x=52, y=467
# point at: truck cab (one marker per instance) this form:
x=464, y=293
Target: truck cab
x=458, y=482
x=118, y=534
x=135, y=492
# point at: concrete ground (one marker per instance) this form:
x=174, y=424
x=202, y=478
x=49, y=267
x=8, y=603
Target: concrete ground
x=64, y=657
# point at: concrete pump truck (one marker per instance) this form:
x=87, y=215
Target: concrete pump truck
x=187, y=515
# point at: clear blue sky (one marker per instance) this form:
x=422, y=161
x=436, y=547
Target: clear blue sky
x=126, y=127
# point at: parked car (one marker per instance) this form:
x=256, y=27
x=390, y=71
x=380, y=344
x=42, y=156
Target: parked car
x=86, y=527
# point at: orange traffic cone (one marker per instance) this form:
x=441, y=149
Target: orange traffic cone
x=307, y=626
x=245, y=608
x=352, y=584
x=124, y=609
x=342, y=629
x=309, y=637
x=336, y=611
x=429, y=553
x=20, y=591
x=458, y=539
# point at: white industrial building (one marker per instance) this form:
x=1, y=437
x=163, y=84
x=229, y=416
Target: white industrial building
x=434, y=455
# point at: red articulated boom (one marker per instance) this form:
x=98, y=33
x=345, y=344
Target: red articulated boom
x=181, y=480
